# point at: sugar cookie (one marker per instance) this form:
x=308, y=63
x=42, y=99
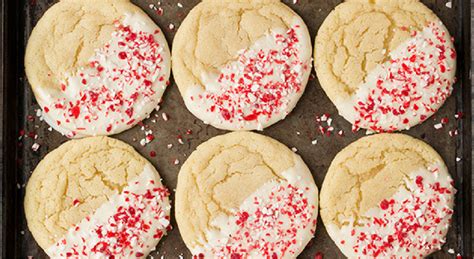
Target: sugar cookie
x=96, y=198
x=245, y=195
x=241, y=65
x=387, y=195
x=96, y=68
x=386, y=65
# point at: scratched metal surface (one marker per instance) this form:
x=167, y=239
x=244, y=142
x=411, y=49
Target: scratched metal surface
x=302, y=119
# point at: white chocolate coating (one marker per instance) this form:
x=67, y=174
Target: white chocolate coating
x=278, y=219
x=250, y=196
x=260, y=88
x=130, y=224
x=407, y=89
x=241, y=65
x=412, y=223
x=122, y=86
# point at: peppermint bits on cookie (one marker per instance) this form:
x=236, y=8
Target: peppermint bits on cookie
x=101, y=200
x=397, y=199
x=261, y=200
x=246, y=80
x=394, y=75
x=97, y=84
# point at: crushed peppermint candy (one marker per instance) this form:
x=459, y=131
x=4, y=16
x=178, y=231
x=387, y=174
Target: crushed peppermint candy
x=136, y=218
x=76, y=202
x=269, y=227
x=149, y=137
x=165, y=116
x=180, y=140
x=438, y=126
x=261, y=84
x=324, y=125
x=122, y=78
x=459, y=115
x=414, y=222
x=35, y=147
x=411, y=86
x=453, y=133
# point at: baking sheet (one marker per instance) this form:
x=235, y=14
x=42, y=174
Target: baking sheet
x=298, y=130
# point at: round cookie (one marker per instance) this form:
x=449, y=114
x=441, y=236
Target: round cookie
x=245, y=195
x=241, y=65
x=96, y=68
x=95, y=198
x=387, y=195
x=386, y=65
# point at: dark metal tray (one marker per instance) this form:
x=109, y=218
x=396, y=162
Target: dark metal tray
x=18, y=113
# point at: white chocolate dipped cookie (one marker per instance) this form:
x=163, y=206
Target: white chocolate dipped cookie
x=241, y=65
x=386, y=65
x=96, y=198
x=244, y=195
x=387, y=196
x=96, y=67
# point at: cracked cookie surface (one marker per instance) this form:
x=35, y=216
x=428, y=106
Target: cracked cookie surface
x=381, y=62
x=241, y=64
x=96, y=68
x=227, y=182
x=83, y=185
x=387, y=187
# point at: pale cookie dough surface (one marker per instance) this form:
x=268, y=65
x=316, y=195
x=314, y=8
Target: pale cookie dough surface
x=244, y=194
x=93, y=197
x=241, y=65
x=96, y=67
x=387, y=195
x=386, y=65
